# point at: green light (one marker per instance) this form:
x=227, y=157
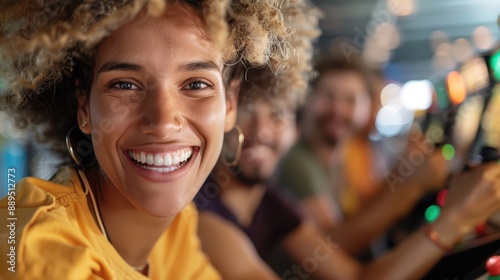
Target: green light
x=432, y=213
x=448, y=152
x=442, y=96
x=495, y=65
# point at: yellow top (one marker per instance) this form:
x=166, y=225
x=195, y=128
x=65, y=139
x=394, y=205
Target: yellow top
x=56, y=237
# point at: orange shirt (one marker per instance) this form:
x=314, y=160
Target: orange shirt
x=56, y=237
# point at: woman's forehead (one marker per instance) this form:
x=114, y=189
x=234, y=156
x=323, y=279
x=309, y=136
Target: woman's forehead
x=179, y=34
x=184, y=16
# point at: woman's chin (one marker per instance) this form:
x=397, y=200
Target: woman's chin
x=164, y=204
x=164, y=210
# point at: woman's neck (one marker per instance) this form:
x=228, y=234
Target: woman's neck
x=132, y=232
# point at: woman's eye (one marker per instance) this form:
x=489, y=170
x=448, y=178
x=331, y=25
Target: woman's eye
x=125, y=86
x=198, y=85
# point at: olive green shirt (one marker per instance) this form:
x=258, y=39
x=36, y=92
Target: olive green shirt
x=302, y=173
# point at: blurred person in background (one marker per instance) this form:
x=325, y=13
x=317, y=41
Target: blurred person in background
x=334, y=169
x=359, y=163
x=242, y=216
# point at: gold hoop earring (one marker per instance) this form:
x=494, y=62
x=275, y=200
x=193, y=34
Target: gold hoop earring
x=236, y=160
x=80, y=148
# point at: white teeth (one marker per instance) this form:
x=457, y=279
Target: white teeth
x=164, y=160
x=161, y=169
x=167, y=159
x=158, y=160
x=175, y=158
x=150, y=159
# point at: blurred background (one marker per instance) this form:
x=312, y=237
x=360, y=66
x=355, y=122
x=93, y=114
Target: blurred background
x=416, y=44
x=411, y=39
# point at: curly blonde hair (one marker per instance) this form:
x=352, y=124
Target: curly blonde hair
x=288, y=85
x=46, y=45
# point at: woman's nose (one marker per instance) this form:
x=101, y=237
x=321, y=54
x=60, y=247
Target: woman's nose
x=162, y=113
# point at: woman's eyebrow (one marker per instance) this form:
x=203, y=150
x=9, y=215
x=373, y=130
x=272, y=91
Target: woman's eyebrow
x=192, y=66
x=118, y=65
x=200, y=65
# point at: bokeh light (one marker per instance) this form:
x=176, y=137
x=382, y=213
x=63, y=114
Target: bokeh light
x=432, y=213
x=475, y=74
x=438, y=38
x=491, y=122
x=417, y=95
x=461, y=50
x=448, y=151
x=482, y=38
x=456, y=87
x=441, y=197
x=495, y=65
x=389, y=97
x=375, y=54
x=387, y=36
x=390, y=122
x=435, y=132
x=443, y=58
x=401, y=7
x=442, y=95
x=467, y=122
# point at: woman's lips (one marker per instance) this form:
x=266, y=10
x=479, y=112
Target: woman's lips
x=163, y=166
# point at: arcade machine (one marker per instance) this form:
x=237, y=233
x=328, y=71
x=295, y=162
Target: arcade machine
x=465, y=120
x=476, y=133
x=489, y=268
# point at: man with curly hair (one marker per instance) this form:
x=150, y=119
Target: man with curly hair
x=138, y=95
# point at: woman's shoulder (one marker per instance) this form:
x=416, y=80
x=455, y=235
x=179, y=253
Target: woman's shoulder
x=42, y=233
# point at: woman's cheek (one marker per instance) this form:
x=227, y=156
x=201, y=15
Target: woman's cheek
x=212, y=112
x=107, y=117
x=210, y=120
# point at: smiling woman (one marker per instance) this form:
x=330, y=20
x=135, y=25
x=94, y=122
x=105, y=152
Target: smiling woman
x=147, y=83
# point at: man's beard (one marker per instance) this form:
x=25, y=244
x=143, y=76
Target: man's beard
x=249, y=180
x=256, y=176
x=325, y=137
x=329, y=140
x=322, y=131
